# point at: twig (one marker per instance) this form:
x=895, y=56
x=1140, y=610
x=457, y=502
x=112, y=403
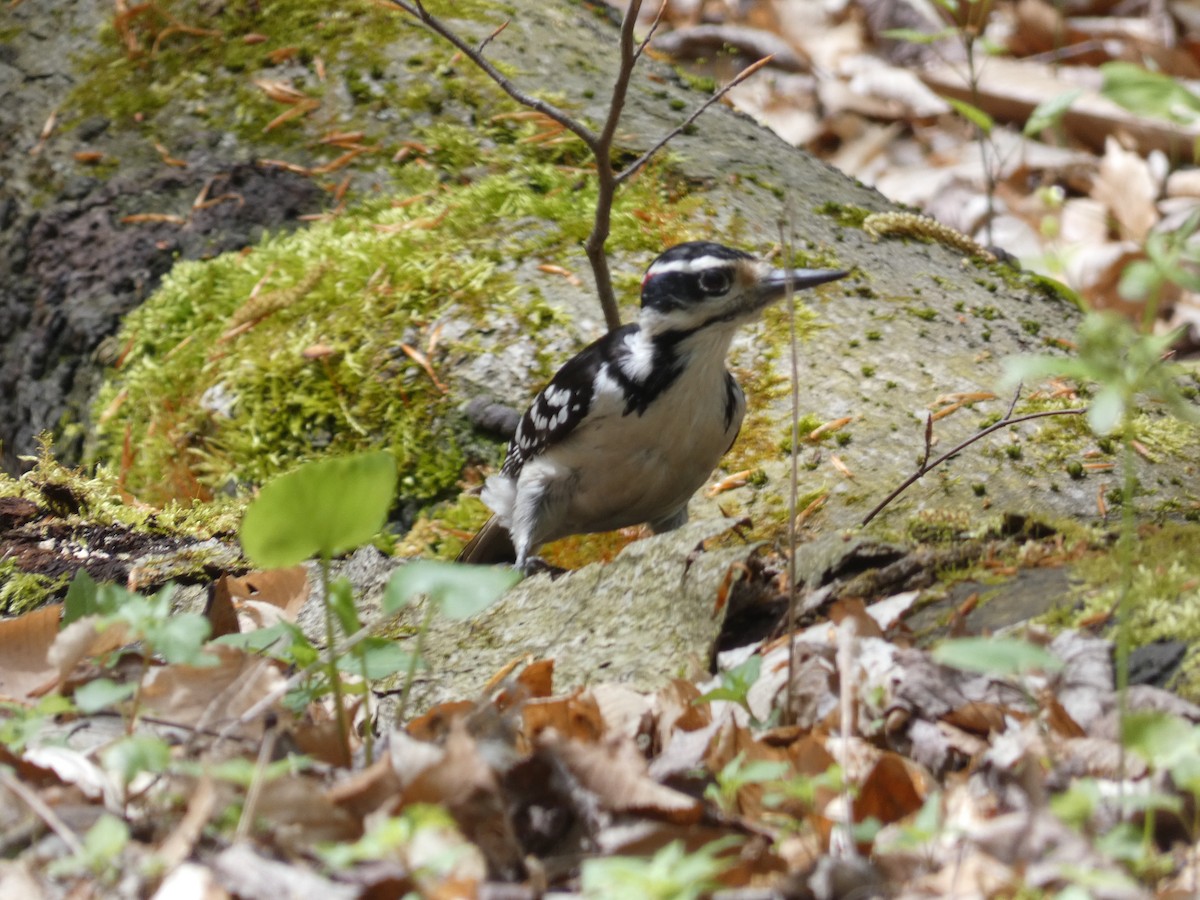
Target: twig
x=638, y=163
x=1016, y=397
x=42, y=810
x=662, y=8
x=1003, y=423
x=438, y=27
x=487, y=40
x=928, y=443
x=606, y=180
x=793, y=494
x=598, y=143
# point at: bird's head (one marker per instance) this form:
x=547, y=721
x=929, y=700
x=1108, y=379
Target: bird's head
x=700, y=283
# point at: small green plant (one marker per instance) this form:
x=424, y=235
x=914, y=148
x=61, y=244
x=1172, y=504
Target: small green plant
x=736, y=683
x=177, y=638
x=20, y=725
x=322, y=509
x=425, y=837
x=328, y=507
x=670, y=874
x=99, y=854
x=737, y=774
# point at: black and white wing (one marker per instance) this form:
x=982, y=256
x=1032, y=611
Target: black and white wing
x=563, y=403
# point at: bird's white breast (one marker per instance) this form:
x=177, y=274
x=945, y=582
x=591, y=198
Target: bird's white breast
x=623, y=468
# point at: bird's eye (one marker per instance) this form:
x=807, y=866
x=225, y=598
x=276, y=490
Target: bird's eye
x=714, y=281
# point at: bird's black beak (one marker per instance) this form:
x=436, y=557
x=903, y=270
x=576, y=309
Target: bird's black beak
x=775, y=283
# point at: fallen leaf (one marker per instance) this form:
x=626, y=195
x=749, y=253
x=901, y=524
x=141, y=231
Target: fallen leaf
x=25, y=642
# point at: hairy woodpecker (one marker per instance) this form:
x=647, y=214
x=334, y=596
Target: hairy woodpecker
x=636, y=422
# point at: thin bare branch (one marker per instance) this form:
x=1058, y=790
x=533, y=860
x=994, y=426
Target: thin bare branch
x=487, y=40
x=606, y=180
x=789, y=709
x=638, y=163
x=1013, y=404
x=928, y=443
x=434, y=24
x=43, y=811
x=662, y=8
x=1003, y=423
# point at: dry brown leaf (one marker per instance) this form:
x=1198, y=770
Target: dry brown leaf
x=211, y=697
x=364, y=791
x=615, y=772
x=300, y=814
x=284, y=589
x=25, y=643
x=1055, y=715
x=538, y=678
x=75, y=768
x=1009, y=90
x=624, y=711
x=1127, y=187
x=81, y=640
x=577, y=717
x=463, y=781
x=978, y=718
x=678, y=710
x=894, y=788
x=179, y=844
x=434, y=725
x=856, y=609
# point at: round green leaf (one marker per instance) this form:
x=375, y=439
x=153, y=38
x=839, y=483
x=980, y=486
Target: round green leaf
x=995, y=656
x=459, y=591
x=323, y=508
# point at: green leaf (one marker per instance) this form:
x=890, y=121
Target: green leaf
x=1105, y=411
x=459, y=591
x=1139, y=280
x=130, y=756
x=275, y=640
x=1149, y=93
x=102, y=845
x=323, y=508
x=995, y=656
x=1049, y=113
x=735, y=682
x=912, y=36
x=382, y=657
x=341, y=601
x=81, y=598
x=972, y=114
x=1158, y=738
x=180, y=638
x=102, y=693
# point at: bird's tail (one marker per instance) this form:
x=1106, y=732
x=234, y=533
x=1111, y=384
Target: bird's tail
x=491, y=544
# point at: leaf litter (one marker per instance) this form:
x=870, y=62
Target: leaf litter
x=1000, y=774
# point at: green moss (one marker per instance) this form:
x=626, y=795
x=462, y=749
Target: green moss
x=217, y=389
x=1165, y=592
x=938, y=526
x=844, y=214
x=101, y=498
x=170, y=83
x=706, y=84
x=21, y=592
